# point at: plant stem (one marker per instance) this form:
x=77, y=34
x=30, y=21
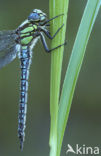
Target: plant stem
x=56, y=7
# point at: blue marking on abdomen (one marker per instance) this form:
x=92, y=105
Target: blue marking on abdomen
x=25, y=59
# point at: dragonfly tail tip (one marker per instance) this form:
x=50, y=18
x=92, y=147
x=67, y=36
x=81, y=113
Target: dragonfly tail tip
x=21, y=143
x=21, y=146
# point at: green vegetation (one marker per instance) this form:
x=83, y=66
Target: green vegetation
x=59, y=109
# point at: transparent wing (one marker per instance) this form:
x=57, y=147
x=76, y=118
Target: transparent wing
x=7, y=47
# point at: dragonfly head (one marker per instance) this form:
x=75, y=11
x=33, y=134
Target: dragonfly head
x=37, y=16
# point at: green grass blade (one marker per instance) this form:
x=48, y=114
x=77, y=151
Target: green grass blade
x=74, y=66
x=56, y=7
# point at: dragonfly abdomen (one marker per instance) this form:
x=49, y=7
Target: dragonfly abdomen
x=25, y=58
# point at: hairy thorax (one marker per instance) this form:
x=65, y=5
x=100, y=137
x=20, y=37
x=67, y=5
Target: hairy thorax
x=27, y=33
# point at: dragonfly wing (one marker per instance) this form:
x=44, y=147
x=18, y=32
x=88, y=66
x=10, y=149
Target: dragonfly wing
x=8, y=57
x=7, y=47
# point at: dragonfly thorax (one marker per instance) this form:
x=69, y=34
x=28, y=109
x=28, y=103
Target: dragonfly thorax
x=26, y=33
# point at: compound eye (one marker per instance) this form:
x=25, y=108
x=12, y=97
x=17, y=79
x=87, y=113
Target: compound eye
x=33, y=17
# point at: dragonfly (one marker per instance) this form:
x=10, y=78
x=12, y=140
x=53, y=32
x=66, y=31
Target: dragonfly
x=20, y=42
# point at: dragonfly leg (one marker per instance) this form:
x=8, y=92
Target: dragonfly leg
x=47, y=33
x=46, y=46
x=52, y=19
x=48, y=24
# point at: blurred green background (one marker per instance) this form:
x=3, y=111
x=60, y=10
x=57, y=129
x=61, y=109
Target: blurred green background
x=84, y=125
